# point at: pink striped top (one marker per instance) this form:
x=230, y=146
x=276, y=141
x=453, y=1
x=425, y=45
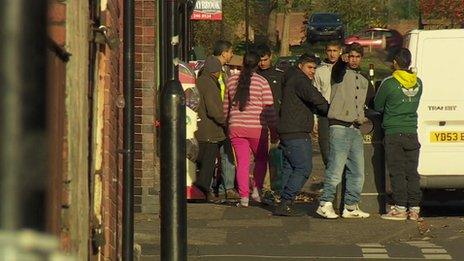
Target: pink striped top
x=259, y=112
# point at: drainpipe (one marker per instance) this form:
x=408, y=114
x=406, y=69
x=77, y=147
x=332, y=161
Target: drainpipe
x=183, y=30
x=186, y=28
x=128, y=162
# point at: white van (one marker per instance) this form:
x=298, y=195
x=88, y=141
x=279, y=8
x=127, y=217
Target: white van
x=438, y=57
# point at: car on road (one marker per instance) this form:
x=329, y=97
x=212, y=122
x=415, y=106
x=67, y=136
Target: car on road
x=285, y=62
x=374, y=37
x=324, y=26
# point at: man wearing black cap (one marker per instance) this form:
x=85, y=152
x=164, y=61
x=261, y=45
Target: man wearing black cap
x=299, y=99
x=211, y=122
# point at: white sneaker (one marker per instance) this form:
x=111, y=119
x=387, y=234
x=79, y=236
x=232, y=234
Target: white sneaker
x=327, y=211
x=244, y=202
x=256, y=195
x=356, y=213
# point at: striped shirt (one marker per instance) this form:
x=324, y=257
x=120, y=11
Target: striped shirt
x=259, y=112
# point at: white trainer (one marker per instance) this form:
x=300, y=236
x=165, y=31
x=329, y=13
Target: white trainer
x=327, y=211
x=356, y=213
x=256, y=195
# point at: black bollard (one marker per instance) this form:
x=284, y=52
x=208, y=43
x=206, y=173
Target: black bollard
x=173, y=159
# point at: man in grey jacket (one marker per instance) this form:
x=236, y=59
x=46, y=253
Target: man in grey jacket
x=322, y=82
x=348, y=97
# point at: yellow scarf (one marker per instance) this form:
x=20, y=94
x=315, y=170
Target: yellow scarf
x=407, y=79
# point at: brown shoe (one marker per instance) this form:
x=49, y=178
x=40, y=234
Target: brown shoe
x=414, y=215
x=212, y=198
x=395, y=214
x=232, y=194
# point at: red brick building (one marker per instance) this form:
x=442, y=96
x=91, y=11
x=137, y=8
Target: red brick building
x=85, y=90
x=146, y=159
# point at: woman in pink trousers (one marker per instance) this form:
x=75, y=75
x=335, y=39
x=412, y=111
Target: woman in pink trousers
x=249, y=110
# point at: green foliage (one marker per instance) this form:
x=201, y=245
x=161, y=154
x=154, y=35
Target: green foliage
x=444, y=9
x=403, y=9
x=356, y=14
x=361, y=14
x=296, y=5
x=205, y=33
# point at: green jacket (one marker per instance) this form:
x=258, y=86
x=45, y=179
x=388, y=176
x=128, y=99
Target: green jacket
x=398, y=99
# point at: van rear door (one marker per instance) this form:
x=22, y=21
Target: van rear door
x=438, y=57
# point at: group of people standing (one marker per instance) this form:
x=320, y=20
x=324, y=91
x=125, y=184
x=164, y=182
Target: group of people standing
x=241, y=114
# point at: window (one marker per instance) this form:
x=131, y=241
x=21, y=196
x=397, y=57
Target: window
x=325, y=18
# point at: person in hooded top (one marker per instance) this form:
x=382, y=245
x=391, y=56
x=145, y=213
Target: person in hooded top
x=211, y=123
x=398, y=99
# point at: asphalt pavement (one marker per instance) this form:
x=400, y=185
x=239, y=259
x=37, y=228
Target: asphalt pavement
x=226, y=232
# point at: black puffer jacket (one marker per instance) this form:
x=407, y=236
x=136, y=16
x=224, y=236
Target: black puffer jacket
x=274, y=77
x=300, y=98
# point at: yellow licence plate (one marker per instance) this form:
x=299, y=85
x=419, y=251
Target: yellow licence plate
x=446, y=136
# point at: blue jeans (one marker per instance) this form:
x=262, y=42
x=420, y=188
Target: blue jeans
x=296, y=166
x=345, y=149
x=227, y=166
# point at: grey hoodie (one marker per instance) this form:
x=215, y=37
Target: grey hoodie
x=322, y=79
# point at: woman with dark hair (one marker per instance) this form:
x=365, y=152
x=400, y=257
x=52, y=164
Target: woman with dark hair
x=249, y=110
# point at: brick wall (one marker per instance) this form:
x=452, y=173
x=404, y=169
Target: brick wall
x=68, y=28
x=146, y=165
x=297, y=28
x=57, y=21
x=109, y=74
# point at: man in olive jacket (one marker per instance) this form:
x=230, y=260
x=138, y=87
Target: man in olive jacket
x=211, y=122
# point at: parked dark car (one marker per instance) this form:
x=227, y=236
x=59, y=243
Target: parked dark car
x=373, y=37
x=285, y=62
x=324, y=26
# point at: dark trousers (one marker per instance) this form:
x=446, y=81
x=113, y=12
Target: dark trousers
x=323, y=138
x=402, y=158
x=227, y=179
x=296, y=166
x=206, y=164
